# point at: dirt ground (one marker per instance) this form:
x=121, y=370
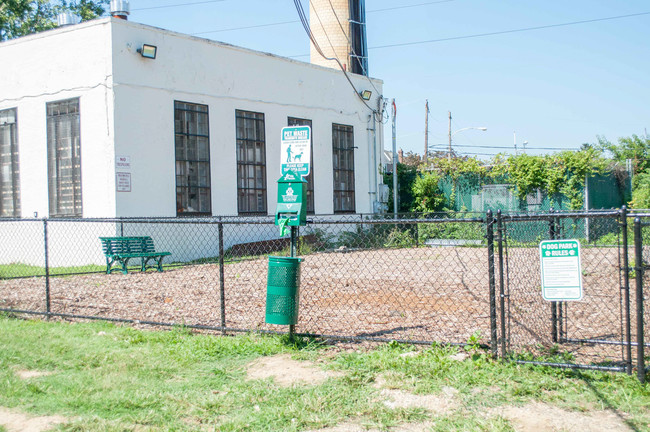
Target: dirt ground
x=418, y=294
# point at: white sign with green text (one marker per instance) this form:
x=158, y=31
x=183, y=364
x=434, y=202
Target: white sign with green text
x=561, y=270
x=295, y=150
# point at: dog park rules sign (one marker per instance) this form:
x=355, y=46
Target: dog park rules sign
x=561, y=270
x=295, y=150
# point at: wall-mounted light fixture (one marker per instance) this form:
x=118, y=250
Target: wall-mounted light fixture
x=148, y=51
x=366, y=94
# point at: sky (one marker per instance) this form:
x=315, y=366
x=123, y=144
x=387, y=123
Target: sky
x=556, y=87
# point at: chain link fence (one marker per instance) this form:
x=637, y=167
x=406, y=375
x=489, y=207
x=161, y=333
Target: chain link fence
x=447, y=278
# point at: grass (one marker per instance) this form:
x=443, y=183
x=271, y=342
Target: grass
x=112, y=378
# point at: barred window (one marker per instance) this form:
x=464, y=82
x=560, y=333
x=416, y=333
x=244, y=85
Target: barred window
x=251, y=163
x=343, y=157
x=64, y=158
x=310, y=178
x=192, y=142
x=9, y=184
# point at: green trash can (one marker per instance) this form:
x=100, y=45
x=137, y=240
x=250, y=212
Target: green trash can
x=283, y=290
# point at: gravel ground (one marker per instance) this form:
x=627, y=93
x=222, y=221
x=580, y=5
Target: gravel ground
x=424, y=294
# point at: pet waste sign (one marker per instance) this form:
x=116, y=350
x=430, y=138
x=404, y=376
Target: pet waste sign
x=295, y=150
x=561, y=270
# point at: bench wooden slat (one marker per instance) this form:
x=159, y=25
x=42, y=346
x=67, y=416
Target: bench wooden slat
x=121, y=249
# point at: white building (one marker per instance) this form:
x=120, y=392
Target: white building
x=89, y=127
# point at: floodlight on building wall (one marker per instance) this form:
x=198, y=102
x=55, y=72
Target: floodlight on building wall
x=366, y=94
x=148, y=51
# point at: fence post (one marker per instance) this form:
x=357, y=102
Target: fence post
x=502, y=301
x=47, y=269
x=222, y=279
x=626, y=291
x=639, y=268
x=493, y=307
x=294, y=250
x=552, y=235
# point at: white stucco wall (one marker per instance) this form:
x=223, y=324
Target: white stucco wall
x=226, y=78
x=127, y=109
x=55, y=65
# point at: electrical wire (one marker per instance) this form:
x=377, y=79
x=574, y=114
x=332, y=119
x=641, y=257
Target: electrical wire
x=178, y=5
x=527, y=148
x=519, y=30
x=356, y=56
x=305, y=24
x=245, y=28
x=291, y=22
x=510, y=31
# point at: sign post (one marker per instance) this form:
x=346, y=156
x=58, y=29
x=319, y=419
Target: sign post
x=561, y=270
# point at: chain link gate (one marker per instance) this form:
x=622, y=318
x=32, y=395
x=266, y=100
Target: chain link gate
x=593, y=333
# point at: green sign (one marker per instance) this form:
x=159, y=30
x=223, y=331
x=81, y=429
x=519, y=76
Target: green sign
x=295, y=150
x=561, y=270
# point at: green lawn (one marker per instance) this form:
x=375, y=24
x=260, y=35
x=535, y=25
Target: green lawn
x=111, y=378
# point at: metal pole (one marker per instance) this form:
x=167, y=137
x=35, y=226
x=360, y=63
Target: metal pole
x=449, y=131
x=426, y=133
x=587, y=207
x=640, y=343
x=551, y=233
x=222, y=280
x=394, y=160
x=294, y=235
x=493, y=307
x=47, y=270
x=626, y=292
x=502, y=300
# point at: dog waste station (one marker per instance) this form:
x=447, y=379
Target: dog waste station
x=283, y=280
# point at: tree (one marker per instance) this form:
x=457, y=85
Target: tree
x=406, y=175
x=641, y=193
x=426, y=192
x=635, y=148
x=23, y=17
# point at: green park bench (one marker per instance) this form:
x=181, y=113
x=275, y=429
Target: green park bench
x=121, y=249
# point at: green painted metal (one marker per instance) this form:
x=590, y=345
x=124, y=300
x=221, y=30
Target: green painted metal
x=291, y=209
x=283, y=290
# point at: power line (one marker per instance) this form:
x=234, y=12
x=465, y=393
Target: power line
x=178, y=4
x=477, y=35
x=355, y=55
x=511, y=31
x=244, y=28
x=410, y=6
x=305, y=24
x=510, y=147
x=292, y=22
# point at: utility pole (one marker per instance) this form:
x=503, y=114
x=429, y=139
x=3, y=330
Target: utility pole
x=514, y=134
x=449, y=155
x=394, y=161
x=426, y=134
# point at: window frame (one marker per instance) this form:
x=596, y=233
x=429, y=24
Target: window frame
x=54, y=160
x=311, y=201
x=338, y=150
x=256, y=144
x=186, y=136
x=13, y=163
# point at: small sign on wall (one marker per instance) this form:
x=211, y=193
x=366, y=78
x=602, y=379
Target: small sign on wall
x=123, y=163
x=123, y=182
